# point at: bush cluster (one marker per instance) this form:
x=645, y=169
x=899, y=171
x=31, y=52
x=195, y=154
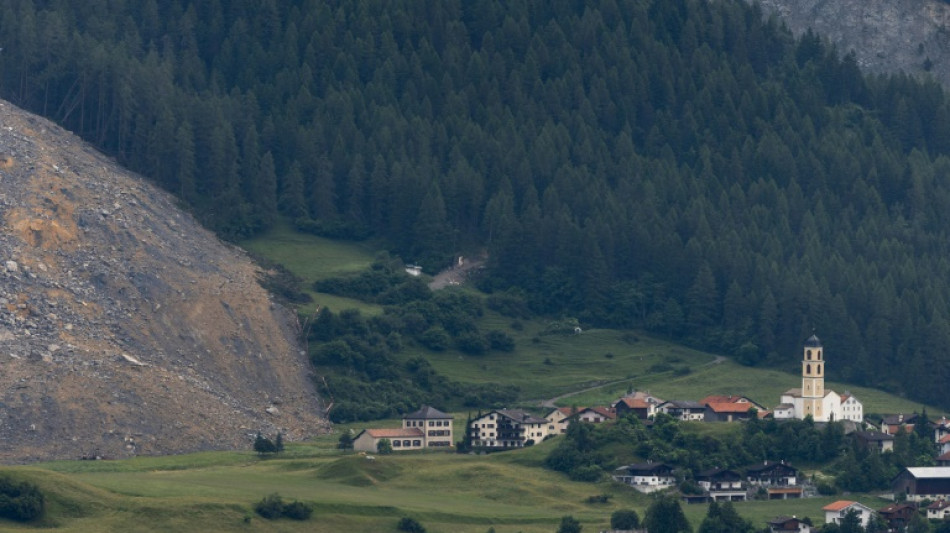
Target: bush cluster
x=273, y=507
x=21, y=501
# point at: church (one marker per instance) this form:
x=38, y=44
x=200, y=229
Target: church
x=812, y=399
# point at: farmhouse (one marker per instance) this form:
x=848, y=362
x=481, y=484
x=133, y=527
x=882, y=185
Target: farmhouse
x=898, y=515
x=643, y=405
x=399, y=438
x=836, y=511
x=722, y=484
x=426, y=428
x=812, y=399
x=874, y=440
x=923, y=483
x=561, y=417
x=939, y=510
x=891, y=424
x=683, y=410
x=507, y=428
x=779, y=479
x=646, y=477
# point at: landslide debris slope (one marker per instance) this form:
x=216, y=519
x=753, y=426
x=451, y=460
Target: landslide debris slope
x=910, y=36
x=125, y=327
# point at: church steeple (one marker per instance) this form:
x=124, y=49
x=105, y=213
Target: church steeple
x=813, y=378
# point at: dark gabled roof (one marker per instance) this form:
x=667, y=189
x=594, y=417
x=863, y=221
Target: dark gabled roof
x=520, y=416
x=768, y=465
x=717, y=472
x=871, y=436
x=684, y=404
x=813, y=342
x=782, y=520
x=427, y=413
x=645, y=467
x=893, y=420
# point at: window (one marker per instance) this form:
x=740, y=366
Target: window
x=808, y=354
x=416, y=443
x=397, y=444
x=406, y=443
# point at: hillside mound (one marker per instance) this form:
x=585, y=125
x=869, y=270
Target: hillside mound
x=125, y=327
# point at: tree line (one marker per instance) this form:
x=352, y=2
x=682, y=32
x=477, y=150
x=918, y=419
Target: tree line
x=684, y=167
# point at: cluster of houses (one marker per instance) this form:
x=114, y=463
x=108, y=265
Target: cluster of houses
x=501, y=429
x=897, y=516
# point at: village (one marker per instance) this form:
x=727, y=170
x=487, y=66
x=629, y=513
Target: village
x=923, y=490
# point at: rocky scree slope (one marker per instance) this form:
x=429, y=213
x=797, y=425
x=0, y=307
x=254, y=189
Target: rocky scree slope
x=125, y=327
x=886, y=35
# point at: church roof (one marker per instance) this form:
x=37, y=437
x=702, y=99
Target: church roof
x=813, y=342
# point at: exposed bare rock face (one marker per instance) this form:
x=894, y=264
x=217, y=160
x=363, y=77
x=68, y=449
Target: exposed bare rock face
x=910, y=36
x=125, y=327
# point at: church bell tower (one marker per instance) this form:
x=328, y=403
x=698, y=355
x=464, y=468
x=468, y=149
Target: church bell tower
x=813, y=379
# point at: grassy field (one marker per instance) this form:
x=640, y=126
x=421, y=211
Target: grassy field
x=445, y=492
x=314, y=258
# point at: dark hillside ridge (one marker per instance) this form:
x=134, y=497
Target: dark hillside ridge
x=125, y=327
x=685, y=167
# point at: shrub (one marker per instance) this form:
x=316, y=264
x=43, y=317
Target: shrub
x=410, y=525
x=472, y=343
x=270, y=507
x=20, y=501
x=625, y=519
x=436, y=339
x=501, y=341
x=298, y=511
x=273, y=507
x=586, y=473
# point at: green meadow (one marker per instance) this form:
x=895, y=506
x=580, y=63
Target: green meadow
x=445, y=492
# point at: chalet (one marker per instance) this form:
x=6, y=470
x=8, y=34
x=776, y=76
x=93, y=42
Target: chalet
x=944, y=459
x=399, y=438
x=641, y=404
x=507, y=428
x=646, y=477
x=779, y=479
x=595, y=415
x=426, y=428
x=834, y=512
x=436, y=425
x=722, y=398
x=788, y=524
x=722, y=484
x=874, y=440
x=939, y=510
x=898, y=515
x=923, y=483
x=683, y=410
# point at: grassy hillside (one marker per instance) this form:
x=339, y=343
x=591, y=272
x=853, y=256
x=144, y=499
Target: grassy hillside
x=603, y=363
x=445, y=492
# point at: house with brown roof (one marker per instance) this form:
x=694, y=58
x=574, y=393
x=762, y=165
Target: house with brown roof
x=835, y=512
x=898, y=515
x=561, y=417
x=640, y=403
x=944, y=444
x=729, y=411
x=891, y=424
x=779, y=479
x=722, y=484
x=874, y=440
x=788, y=524
x=426, y=428
x=939, y=510
x=507, y=428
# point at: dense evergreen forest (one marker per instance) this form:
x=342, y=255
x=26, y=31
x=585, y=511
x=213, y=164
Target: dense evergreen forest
x=682, y=166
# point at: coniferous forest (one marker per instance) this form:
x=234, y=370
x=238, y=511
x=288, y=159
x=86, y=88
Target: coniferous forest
x=685, y=167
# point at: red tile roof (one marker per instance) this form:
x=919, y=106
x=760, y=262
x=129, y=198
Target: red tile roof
x=730, y=407
x=838, y=505
x=388, y=433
